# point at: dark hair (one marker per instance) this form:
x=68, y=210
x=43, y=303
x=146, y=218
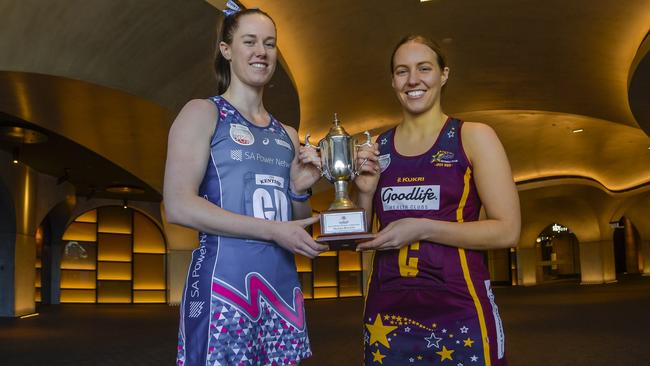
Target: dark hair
x=226, y=31
x=425, y=41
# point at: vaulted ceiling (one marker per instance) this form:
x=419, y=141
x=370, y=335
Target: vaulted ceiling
x=110, y=75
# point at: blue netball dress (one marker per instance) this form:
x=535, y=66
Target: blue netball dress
x=242, y=303
x=429, y=303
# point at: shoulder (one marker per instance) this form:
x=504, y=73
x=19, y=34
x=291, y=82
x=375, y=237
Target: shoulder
x=197, y=114
x=478, y=138
x=200, y=107
x=477, y=133
x=292, y=132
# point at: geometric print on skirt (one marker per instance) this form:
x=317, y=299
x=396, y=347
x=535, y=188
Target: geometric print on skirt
x=237, y=340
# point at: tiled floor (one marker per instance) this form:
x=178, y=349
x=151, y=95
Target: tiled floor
x=558, y=324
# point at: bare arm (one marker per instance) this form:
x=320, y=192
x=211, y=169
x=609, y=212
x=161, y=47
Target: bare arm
x=304, y=173
x=366, y=182
x=496, y=189
x=187, y=157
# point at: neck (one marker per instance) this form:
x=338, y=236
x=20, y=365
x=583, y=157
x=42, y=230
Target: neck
x=423, y=123
x=248, y=101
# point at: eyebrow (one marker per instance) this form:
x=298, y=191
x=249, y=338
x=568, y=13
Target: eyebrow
x=418, y=64
x=255, y=36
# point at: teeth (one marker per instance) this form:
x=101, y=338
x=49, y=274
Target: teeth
x=415, y=93
x=258, y=65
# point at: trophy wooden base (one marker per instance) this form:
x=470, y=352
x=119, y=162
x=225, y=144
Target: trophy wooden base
x=343, y=229
x=344, y=241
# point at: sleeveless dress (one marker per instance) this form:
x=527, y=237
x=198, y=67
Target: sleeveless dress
x=242, y=303
x=428, y=303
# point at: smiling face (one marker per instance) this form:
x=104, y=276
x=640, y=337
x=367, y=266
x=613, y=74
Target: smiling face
x=252, y=52
x=417, y=77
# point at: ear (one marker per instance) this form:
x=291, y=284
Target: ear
x=444, y=76
x=224, y=48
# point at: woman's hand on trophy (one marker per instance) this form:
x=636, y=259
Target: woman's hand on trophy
x=306, y=170
x=292, y=236
x=396, y=235
x=367, y=168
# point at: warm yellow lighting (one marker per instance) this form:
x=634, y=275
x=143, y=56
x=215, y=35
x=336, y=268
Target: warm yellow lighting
x=88, y=217
x=577, y=130
x=325, y=293
x=29, y=316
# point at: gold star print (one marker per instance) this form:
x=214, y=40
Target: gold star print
x=378, y=357
x=419, y=358
x=386, y=317
x=379, y=331
x=445, y=354
x=468, y=342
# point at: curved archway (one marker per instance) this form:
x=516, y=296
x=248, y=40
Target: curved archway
x=113, y=254
x=558, y=254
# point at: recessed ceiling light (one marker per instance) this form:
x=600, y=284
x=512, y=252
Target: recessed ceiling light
x=578, y=130
x=21, y=135
x=125, y=190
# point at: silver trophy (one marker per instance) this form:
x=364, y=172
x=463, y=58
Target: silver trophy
x=343, y=225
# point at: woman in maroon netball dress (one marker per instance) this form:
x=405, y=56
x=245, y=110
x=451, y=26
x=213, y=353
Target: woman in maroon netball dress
x=429, y=298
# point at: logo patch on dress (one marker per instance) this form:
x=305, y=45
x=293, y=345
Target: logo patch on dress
x=283, y=143
x=411, y=198
x=196, y=307
x=237, y=155
x=241, y=134
x=269, y=180
x=443, y=158
x=384, y=162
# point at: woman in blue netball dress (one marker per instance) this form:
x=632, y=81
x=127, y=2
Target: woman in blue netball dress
x=429, y=298
x=236, y=174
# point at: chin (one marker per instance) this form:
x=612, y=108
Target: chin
x=416, y=108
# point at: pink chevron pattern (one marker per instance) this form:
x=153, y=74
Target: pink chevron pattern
x=257, y=286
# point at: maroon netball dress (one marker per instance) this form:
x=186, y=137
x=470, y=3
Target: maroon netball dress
x=428, y=303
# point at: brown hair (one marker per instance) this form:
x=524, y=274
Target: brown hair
x=423, y=40
x=226, y=32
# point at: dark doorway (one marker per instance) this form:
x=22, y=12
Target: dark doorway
x=558, y=254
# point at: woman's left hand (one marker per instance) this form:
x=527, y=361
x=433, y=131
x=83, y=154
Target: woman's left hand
x=305, y=171
x=396, y=235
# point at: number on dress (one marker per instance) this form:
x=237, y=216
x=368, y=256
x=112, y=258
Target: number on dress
x=270, y=208
x=408, y=264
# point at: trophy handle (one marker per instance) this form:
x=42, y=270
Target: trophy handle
x=368, y=142
x=308, y=144
x=317, y=148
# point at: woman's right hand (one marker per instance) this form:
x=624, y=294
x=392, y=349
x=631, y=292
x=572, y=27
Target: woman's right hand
x=292, y=236
x=368, y=167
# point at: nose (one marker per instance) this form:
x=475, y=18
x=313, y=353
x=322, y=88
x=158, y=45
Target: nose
x=260, y=50
x=413, y=79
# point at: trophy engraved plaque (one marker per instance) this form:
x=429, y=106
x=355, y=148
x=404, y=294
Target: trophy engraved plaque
x=343, y=225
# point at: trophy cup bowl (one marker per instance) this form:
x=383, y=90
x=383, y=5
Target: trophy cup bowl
x=343, y=225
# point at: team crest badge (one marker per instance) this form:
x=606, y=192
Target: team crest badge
x=241, y=134
x=443, y=156
x=384, y=162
